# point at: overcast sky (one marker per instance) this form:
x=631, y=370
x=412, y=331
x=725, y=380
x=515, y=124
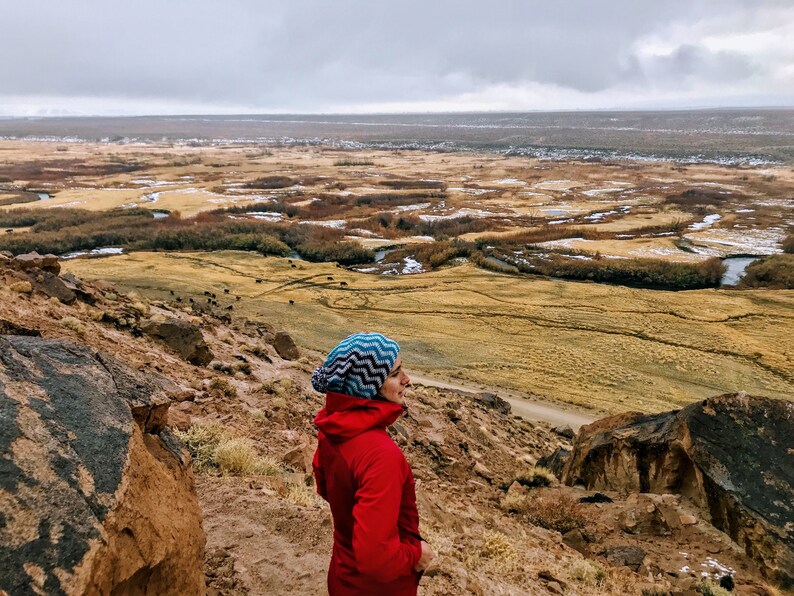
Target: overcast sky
x=309, y=56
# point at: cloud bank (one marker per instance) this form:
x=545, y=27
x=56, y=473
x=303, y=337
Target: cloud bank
x=202, y=56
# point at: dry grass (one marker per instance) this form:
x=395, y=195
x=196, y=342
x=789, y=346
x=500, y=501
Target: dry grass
x=202, y=440
x=305, y=496
x=495, y=553
x=588, y=573
x=214, y=448
x=594, y=345
x=75, y=325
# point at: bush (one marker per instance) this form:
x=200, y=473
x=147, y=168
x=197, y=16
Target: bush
x=554, y=512
x=236, y=456
x=775, y=272
x=644, y=273
x=343, y=252
x=272, y=182
x=353, y=162
x=220, y=387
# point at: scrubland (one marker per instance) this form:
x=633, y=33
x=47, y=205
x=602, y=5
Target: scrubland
x=461, y=256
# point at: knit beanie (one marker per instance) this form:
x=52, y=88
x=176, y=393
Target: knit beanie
x=358, y=366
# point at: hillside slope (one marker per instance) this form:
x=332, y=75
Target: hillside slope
x=500, y=525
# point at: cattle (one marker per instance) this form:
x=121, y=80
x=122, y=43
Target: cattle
x=294, y=266
x=225, y=290
x=209, y=300
x=329, y=278
x=259, y=281
x=292, y=302
x=213, y=295
x=238, y=298
x=230, y=307
x=343, y=284
x=206, y=293
x=191, y=300
x=172, y=292
x=179, y=298
x=10, y=231
x=289, y=260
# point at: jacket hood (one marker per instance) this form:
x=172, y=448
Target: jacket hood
x=345, y=417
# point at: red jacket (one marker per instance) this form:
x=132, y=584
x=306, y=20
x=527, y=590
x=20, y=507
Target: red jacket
x=363, y=475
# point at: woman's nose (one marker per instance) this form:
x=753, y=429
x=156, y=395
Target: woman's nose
x=406, y=380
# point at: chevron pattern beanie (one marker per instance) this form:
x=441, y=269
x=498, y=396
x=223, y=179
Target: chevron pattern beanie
x=358, y=366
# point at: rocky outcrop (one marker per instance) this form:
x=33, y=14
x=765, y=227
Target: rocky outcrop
x=181, y=336
x=96, y=495
x=731, y=455
x=34, y=260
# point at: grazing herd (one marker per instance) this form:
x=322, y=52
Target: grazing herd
x=212, y=296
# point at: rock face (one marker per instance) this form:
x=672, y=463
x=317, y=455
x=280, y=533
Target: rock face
x=182, y=337
x=96, y=497
x=731, y=455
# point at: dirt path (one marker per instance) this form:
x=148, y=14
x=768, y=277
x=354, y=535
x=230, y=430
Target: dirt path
x=529, y=409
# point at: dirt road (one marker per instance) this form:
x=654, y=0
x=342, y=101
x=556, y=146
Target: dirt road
x=534, y=410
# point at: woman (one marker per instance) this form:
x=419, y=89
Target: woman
x=363, y=474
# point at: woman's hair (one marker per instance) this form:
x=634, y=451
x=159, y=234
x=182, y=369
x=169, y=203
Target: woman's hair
x=358, y=366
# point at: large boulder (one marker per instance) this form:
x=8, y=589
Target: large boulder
x=285, y=346
x=731, y=455
x=181, y=336
x=96, y=497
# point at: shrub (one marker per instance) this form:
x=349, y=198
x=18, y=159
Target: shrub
x=353, y=162
x=272, y=182
x=707, y=588
x=590, y=573
x=498, y=551
x=554, y=512
x=776, y=271
x=75, y=325
x=343, y=252
x=220, y=387
x=413, y=184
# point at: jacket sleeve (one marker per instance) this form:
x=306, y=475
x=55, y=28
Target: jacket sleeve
x=376, y=541
x=319, y=476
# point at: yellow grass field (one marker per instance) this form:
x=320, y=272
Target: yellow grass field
x=609, y=348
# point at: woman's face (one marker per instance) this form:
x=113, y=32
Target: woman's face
x=393, y=388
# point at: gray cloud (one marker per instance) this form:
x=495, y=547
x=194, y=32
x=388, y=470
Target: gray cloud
x=306, y=55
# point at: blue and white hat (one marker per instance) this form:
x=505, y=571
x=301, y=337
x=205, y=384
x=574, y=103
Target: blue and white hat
x=358, y=366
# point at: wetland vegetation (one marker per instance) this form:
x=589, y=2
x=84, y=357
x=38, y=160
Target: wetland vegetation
x=493, y=237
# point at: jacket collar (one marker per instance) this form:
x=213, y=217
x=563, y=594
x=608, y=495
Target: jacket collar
x=345, y=416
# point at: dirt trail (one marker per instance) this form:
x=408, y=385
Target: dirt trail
x=531, y=410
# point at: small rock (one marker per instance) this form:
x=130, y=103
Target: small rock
x=482, y=471
x=688, y=520
x=576, y=540
x=493, y=401
x=564, y=431
x=625, y=556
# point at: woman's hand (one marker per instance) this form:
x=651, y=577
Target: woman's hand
x=428, y=554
